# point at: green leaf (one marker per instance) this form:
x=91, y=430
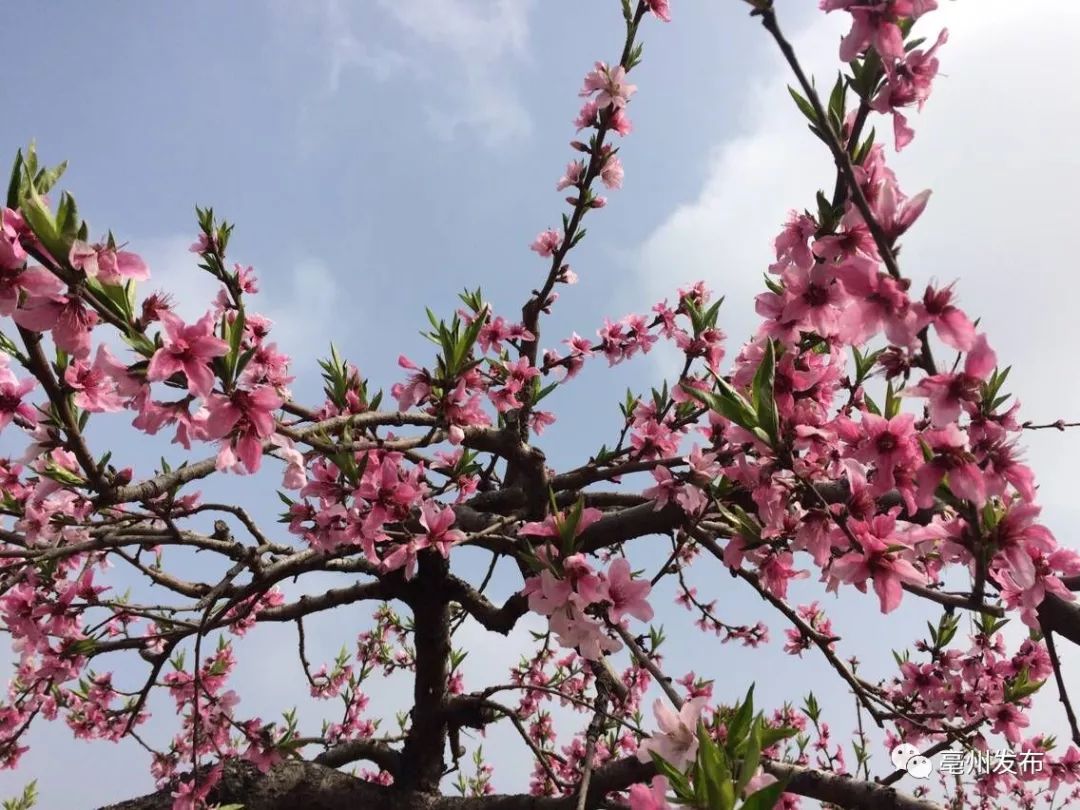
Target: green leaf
x=864, y=149
x=62, y=474
x=713, y=787
x=41, y=221
x=83, y=646
x=805, y=106
x=1022, y=687
x=764, y=398
x=710, y=314
x=568, y=527
x=738, y=412
x=892, y=402
x=836, y=102
x=773, y=285
x=766, y=798
x=771, y=736
x=237, y=332
x=27, y=800
x=47, y=178
x=751, y=757
x=739, y=724
x=14, y=192
x=543, y=392
x=676, y=778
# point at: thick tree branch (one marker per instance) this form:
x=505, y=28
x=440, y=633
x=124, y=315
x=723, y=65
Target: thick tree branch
x=497, y=619
x=1061, y=617
x=425, y=744
x=387, y=758
x=311, y=786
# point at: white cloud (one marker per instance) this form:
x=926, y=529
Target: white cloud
x=751, y=181
x=481, y=38
x=994, y=143
x=347, y=50
x=175, y=270
x=306, y=310
x=456, y=52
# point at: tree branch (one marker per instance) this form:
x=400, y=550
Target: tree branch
x=425, y=744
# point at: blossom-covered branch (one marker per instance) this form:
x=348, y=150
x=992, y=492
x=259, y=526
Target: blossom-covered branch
x=830, y=447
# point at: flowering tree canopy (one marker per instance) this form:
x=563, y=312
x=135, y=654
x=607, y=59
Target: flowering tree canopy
x=863, y=438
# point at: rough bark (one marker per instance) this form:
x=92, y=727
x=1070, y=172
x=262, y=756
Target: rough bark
x=1060, y=616
x=422, y=756
x=307, y=785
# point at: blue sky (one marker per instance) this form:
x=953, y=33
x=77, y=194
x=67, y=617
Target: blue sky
x=378, y=157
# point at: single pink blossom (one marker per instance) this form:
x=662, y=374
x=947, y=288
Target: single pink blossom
x=888, y=444
x=248, y=417
x=949, y=394
x=626, y=595
x=188, y=348
x=612, y=173
x=879, y=558
x=949, y=321
x=652, y=796
x=12, y=393
x=67, y=316
x=677, y=741
x=107, y=264
x=437, y=523
x=661, y=8
x=36, y=282
x=575, y=170
x=94, y=386
x=295, y=469
x=609, y=85
x=12, y=227
x=546, y=243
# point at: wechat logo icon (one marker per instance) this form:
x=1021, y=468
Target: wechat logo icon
x=906, y=757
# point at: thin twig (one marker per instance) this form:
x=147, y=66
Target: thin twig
x=1063, y=693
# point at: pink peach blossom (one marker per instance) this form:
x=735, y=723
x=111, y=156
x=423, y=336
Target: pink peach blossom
x=188, y=348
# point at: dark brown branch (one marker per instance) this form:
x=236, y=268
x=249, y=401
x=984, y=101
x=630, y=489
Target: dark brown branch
x=627, y=524
x=497, y=619
x=334, y=597
x=387, y=758
x=75, y=442
x=294, y=784
x=962, y=601
x=1063, y=692
x=425, y=744
x=1060, y=424
x=843, y=790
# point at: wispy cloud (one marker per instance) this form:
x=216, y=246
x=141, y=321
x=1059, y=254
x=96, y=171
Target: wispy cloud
x=308, y=314
x=456, y=53
x=346, y=50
